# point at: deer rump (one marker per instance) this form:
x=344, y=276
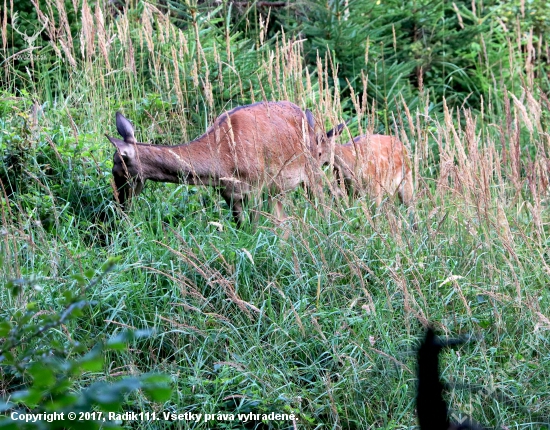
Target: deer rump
x=376, y=165
x=266, y=144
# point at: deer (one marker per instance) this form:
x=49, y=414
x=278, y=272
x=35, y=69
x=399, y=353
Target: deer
x=431, y=408
x=377, y=164
x=271, y=145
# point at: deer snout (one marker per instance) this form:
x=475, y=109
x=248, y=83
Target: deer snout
x=122, y=187
x=126, y=188
x=124, y=183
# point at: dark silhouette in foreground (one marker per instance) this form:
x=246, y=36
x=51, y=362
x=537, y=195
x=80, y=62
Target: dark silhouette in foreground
x=432, y=410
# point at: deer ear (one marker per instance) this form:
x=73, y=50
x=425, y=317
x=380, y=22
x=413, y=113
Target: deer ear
x=336, y=131
x=125, y=128
x=310, y=119
x=125, y=150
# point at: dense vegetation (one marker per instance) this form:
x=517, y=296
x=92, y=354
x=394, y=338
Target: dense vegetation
x=169, y=308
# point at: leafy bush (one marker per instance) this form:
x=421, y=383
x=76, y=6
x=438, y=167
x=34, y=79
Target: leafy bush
x=44, y=166
x=317, y=315
x=43, y=372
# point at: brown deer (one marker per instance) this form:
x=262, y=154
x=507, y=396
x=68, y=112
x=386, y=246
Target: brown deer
x=376, y=164
x=266, y=144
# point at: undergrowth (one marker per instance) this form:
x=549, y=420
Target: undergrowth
x=318, y=316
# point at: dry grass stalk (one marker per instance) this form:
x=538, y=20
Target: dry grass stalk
x=5, y=26
x=87, y=35
x=102, y=35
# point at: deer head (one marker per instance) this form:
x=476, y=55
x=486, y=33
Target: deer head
x=126, y=165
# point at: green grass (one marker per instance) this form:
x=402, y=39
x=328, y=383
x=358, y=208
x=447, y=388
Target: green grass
x=322, y=322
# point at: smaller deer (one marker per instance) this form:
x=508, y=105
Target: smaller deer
x=430, y=406
x=266, y=144
x=376, y=164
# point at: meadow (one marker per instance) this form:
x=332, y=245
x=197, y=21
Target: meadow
x=168, y=307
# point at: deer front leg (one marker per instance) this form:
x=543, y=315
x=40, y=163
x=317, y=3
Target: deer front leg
x=235, y=203
x=277, y=208
x=234, y=193
x=237, y=210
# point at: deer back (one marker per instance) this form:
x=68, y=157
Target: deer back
x=260, y=144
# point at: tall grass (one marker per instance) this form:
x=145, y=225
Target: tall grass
x=322, y=321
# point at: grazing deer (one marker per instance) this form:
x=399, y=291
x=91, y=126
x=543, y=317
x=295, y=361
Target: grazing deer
x=376, y=164
x=430, y=405
x=266, y=144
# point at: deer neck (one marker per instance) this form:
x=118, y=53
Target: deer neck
x=190, y=163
